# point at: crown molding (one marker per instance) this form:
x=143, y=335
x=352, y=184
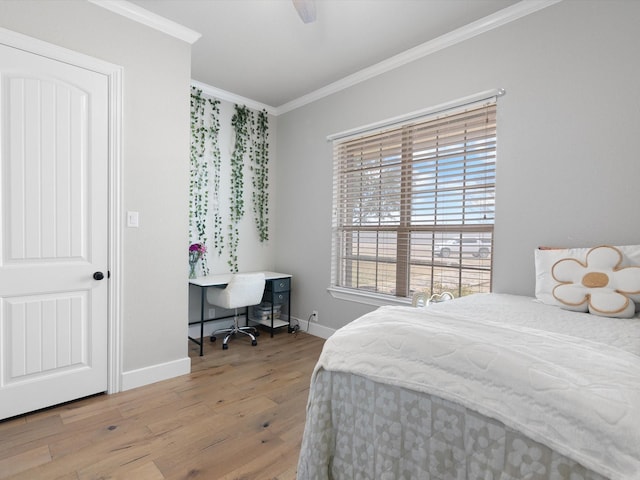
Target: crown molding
x=150, y=19
x=502, y=17
x=232, y=97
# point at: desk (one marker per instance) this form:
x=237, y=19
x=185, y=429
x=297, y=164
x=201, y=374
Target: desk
x=277, y=291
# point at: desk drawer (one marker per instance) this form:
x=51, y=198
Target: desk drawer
x=275, y=297
x=280, y=297
x=279, y=285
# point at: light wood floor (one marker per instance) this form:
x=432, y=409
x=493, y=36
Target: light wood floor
x=238, y=415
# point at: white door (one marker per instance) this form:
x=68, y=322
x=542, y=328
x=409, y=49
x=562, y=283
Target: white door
x=54, y=122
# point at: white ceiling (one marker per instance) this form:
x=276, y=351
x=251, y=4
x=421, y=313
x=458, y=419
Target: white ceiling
x=261, y=50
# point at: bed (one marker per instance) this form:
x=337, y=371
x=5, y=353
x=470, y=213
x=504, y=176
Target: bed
x=488, y=386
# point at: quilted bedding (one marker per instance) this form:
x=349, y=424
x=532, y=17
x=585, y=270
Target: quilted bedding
x=487, y=386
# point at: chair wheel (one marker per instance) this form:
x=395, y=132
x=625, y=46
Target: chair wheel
x=225, y=346
x=257, y=334
x=254, y=343
x=213, y=339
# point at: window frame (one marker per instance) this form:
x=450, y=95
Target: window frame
x=405, y=228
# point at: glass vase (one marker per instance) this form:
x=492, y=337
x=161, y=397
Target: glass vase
x=192, y=269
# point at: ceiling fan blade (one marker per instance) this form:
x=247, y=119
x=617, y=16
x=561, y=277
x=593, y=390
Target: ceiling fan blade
x=306, y=10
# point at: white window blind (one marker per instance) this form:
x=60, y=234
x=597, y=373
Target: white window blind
x=414, y=205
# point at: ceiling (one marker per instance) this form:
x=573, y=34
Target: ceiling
x=261, y=50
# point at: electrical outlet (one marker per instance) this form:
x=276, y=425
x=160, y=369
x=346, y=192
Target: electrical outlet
x=314, y=316
x=212, y=313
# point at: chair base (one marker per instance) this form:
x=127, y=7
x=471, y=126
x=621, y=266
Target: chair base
x=251, y=332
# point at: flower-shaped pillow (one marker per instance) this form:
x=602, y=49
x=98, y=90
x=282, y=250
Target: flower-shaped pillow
x=599, y=285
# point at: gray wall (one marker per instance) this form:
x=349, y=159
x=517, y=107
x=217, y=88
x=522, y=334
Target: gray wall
x=253, y=254
x=155, y=162
x=567, y=170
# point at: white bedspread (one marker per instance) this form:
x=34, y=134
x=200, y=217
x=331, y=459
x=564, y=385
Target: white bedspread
x=570, y=390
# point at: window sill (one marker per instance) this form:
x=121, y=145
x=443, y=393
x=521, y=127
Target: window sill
x=367, y=298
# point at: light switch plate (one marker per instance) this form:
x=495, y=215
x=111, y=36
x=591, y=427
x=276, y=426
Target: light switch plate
x=133, y=219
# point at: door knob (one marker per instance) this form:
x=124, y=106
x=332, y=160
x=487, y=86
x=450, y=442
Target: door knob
x=98, y=276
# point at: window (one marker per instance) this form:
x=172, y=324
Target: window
x=414, y=205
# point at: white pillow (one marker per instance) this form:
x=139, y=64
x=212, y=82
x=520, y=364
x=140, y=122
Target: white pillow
x=546, y=258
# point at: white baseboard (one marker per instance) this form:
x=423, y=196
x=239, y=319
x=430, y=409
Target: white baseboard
x=155, y=373
x=165, y=371
x=310, y=328
x=209, y=327
x=314, y=329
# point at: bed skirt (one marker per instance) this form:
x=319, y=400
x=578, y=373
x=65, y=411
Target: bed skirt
x=359, y=429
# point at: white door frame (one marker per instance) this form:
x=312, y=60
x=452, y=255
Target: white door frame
x=115, y=215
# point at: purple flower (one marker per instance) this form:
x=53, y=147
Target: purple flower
x=198, y=247
x=196, y=251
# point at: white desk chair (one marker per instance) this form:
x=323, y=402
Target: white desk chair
x=243, y=290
